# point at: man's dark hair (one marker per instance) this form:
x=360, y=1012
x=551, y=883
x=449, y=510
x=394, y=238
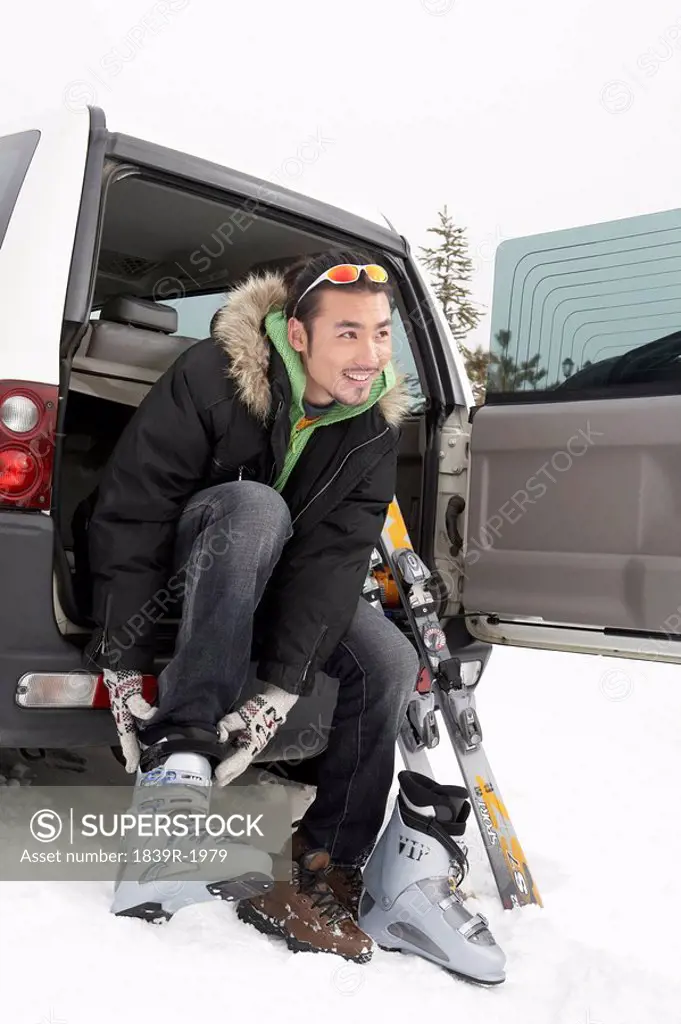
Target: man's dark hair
x=302, y=273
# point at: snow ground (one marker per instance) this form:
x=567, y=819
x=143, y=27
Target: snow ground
x=586, y=753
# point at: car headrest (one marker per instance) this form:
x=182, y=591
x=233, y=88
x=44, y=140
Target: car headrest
x=152, y=316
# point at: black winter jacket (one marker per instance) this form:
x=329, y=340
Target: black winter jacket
x=221, y=410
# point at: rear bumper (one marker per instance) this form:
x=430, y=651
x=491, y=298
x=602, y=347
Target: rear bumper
x=31, y=642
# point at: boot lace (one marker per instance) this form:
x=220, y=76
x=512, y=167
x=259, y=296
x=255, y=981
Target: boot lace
x=353, y=877
x=321, y=894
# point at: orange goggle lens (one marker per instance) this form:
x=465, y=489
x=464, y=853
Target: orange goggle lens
x=376, y=273
x=347, y=273
x=344, y=273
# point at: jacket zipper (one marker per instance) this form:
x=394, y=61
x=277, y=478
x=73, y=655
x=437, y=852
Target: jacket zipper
x=274, y=460
x=328, y=484
x=325, y=630
x=103, y=642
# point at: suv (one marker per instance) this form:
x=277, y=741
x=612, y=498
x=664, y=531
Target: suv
x=551, y=515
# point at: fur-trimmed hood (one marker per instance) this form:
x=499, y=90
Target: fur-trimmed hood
x=238, y=329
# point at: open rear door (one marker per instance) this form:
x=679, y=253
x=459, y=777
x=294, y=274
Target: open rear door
x=44, y=202
x=573, y=536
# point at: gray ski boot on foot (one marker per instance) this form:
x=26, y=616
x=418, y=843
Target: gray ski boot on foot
x=411, y=900
x=175, y=778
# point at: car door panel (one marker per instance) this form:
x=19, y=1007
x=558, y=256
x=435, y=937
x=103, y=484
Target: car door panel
x=573, y=535
x=575, y=512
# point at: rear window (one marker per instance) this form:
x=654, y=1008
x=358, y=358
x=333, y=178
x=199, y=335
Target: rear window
x=16, y=153
x=595, y=308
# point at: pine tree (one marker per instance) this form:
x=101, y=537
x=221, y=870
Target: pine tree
x=504, y=370
x=450, y=269
x=531, y=371
x=505, y=373
x=477, y=365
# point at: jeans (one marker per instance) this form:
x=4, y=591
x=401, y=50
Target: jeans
x=229, y=539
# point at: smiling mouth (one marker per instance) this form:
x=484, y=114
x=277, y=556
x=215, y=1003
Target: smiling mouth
x=359, y=376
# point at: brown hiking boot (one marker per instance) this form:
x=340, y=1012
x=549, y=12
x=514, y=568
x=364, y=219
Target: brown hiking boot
x=347, y=885
x=307, y=914
x=345, y=882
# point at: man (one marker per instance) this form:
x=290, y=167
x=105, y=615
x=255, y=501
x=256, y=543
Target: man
x=258, y=472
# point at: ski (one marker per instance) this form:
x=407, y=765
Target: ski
x=397, y=583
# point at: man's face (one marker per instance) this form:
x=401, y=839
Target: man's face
x=352, y=342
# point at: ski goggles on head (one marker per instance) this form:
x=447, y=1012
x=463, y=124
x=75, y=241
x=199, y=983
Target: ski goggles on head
x=347, y=273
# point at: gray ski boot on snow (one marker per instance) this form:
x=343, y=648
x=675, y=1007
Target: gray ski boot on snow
x=411, y=900
x=175, y=778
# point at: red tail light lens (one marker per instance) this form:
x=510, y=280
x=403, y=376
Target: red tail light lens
x=18, y=472
x=28, y=425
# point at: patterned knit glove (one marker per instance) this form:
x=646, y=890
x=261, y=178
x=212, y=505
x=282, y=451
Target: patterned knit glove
x=250, y=729
x=127, y=704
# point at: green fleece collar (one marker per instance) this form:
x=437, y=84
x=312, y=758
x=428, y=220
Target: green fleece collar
x=277, y=331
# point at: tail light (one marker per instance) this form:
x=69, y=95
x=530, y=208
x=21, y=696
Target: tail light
x=76, y=689
x=28, y=427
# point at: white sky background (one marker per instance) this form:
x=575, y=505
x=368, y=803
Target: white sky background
x=522, y=117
